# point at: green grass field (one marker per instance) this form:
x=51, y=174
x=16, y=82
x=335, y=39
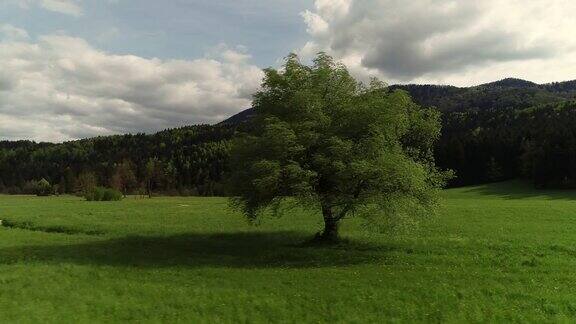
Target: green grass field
x=496, y=253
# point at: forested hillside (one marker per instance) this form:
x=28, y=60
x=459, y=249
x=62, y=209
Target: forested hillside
x=185, y=161
x=506, y=129
x=502, y=130
x=537, y=143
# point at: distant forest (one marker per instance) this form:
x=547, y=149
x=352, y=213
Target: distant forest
x=492, y=132
x=183, y=161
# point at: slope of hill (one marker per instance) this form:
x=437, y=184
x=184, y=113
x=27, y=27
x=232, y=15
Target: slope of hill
x=511, y=83
x=508, y=93
x=505, y=94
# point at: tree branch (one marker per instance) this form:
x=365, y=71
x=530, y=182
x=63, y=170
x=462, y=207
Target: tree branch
x=349, y=206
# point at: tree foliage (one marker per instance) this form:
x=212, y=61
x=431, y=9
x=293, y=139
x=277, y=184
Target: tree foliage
x=44, y=188
x=123, y=178
x=336, y=145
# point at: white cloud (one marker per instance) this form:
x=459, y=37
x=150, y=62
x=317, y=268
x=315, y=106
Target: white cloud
x=9, y=32
x=68, y=7
x=23, y=4
x=447, y=41
x=317, y=26
x=62, y=88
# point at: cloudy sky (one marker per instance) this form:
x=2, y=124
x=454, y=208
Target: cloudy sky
x=76, y=68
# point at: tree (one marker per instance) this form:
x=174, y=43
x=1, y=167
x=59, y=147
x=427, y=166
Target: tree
x=87, y=181
x=43, y=188
x=494, y=170
x=328, y=142
x=154, y=175
x=68, y=182
x=123, y=178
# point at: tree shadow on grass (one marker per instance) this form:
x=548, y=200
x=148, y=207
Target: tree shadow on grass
x=227, y=250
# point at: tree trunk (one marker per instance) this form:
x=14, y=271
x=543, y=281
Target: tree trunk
x=330, y=233
x=330, y=230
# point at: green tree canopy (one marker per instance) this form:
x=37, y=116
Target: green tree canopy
x=337, y=145
x=43, y=188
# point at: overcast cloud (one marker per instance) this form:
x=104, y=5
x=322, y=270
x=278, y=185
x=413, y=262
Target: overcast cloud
x=68, y=70
x=447, y=41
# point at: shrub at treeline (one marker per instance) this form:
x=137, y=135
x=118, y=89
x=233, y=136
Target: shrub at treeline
x=492, y=132
x=103, y=194
x=40, y=188
x=90, y=191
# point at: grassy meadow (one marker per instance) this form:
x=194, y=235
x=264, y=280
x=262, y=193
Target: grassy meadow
x=495, y=253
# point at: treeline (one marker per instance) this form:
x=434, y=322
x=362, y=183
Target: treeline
x=537, y=143
x=497, y=131
x=183, y=161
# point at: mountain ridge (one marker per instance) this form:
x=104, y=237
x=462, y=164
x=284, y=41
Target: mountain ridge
x=453, y=98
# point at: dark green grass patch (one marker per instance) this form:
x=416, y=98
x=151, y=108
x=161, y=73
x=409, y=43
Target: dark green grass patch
x=29, y=226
